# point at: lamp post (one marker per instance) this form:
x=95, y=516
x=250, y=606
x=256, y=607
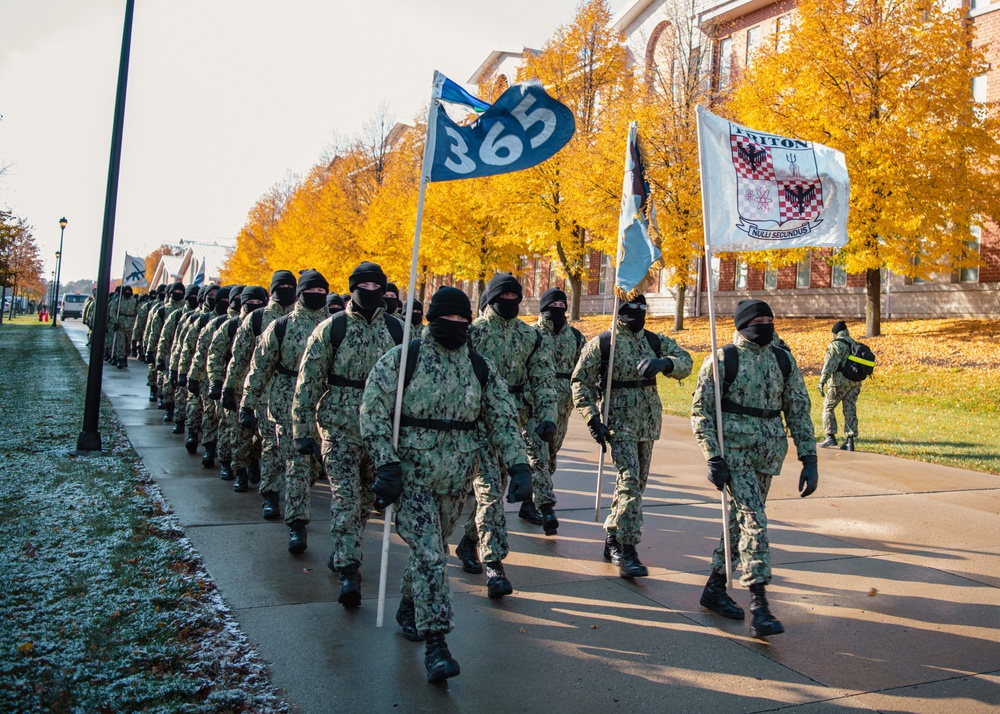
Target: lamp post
x=55, y=300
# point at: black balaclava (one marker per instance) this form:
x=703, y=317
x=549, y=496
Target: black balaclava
x=556, y=314
x=127, y=291
x=450, y=334
x=418, y=313
x=311, y=278
x=222, y=300
x=391, y=301
x=746, y=311
x=501, y=283
x=177, y=292
x=367, y=301
x=235, y=297
x=210, y=294
x=839, y=326
x=334, y=303
x=191, y=295
x=284, y=295
x=252, y=298
x=144, y=298
x=634, y=318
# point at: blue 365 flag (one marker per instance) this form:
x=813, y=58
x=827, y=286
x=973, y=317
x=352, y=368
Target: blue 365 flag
x=637, y=252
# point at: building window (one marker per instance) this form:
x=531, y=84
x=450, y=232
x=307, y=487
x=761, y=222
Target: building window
x=753, y=39
x=741, y=275
x=979, y=95
x=839, y=277
x=803, y=272
x=771, y=278
x=782, y=26
x=725, y=62
x=716, y=267
x=605, y=276
x=536, y=286
x=971, y=275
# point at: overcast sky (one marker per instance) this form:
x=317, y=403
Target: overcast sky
x=225, y=99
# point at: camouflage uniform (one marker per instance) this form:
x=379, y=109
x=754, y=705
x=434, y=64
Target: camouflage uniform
x=335, y=406
x=198, y=370
x=164, y=345
x=755, y=446
x=109, y=341
x=841, y=388
x=122, y=320
x=437, y=466
x=524, y=361
x=634, y=419
x=565, y=350
x=141, y=318
x=220, y=351
x=271, y=382
x=157, y=321
x=184, y=327
x=88, y=314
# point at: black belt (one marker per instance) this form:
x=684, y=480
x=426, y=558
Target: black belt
x=439, y=424
x=519, y=389
x=336, y=380
x=287, y=372
x=633, y=384
x=564, y=375
x=731, y=407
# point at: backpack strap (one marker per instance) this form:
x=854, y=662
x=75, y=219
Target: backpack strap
x=479, y=365
x=395, y=328
x=234, y=325
x=784, y=361
x=731, y=367
x=280, y=328
x=654, y=342
x=257, y=322
x=604, y=343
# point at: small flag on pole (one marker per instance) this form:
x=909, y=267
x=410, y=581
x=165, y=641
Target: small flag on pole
x=765, y=192
x=199, y=278
x=135, y=271
x=636, y=253
x=456, y=94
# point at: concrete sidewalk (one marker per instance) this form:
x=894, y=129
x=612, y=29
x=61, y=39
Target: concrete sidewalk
x=887, y=581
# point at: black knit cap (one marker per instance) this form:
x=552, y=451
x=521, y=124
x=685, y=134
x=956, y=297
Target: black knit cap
x=747, y=310
x=839, y=326
x=391, y=288
x=502, y=283
x=234, y=292
x=367, y=272
x=176, y=287
x=282, y=277
x=482, y=301
x=311, y=278
x=253, y=292
x=334, y=299
x=449, y=301
x=418, y=306
x=223, y=293
x=192, y=291
x=641, y=299
x=550, y=296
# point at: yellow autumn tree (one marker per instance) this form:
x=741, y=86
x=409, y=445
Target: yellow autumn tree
x=888, y=83
x=248, y=264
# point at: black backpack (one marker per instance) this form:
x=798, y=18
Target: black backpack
x=479, y=365
x=338, y=330
x=731, y=368
x=860, y=363
x=604, y=342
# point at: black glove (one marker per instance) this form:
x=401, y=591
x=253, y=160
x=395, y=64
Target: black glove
x=194, y=386
x=142, y=357
x=520, y=483
x=182, y=380
x=822, y=390
x=809, y=478
x=388, y=484
x=308, y=446
x=247, y=419
x=161, y=367
x=718, y=472
x=229, y=400
x=649, y=368
x=600, y=433
x=546, y=431
x=173, y=378
x=216, y=391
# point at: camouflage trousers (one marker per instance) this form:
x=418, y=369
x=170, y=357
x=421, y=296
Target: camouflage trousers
x=487, y=523
x=200, y=419
x=246, y=442
x=351, y=475
x=300, y=472
x=849, y=397
x=180, y=401
x=151, y=376
x=425, y=520
x=272, y=468
x=631, y=459
x=747, y=522
x=542, y=456
x=122, y=342
x=228, y=427
x=164, y=388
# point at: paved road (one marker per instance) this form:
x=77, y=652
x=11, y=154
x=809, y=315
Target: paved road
x=887, y=581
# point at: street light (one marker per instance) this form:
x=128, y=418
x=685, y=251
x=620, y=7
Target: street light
x=52, y=286
x=55, y=309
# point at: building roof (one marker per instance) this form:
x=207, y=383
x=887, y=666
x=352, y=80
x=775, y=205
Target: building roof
x=494, y=59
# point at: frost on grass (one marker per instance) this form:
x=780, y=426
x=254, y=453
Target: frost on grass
x=105, y=605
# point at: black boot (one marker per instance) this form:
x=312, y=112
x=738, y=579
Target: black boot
x=297, y=537
x=438, y=660
x=160, y=404
x=630, y=566
x=497, y=584
x=848, y=444
x=350, y=586
x=152, y=394
x=612, y=549
x=269, y=507
x=550, y=524
x=406, y=616
x=253, y=469
x=529, y=513
x=716, y=599
x=468, y=552
x=763, y=623
x=226, y=469
x=178, y=427
x=208, y=458
x=191, y=444
x=830, y=440
x=122, y=363
x=168, y=415
x=240, y=484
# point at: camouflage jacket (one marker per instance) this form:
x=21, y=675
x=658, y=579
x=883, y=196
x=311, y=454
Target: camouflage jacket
x=169, y=331
x=565, y=349
x=636, y=411
x=141, y=317
x=522, y=358
x=199, y=363
x=183, y=347
x=112, y=308
x=444, y=385
x=154, y=326
x=220, y=349
x=246, y=342
x=759, y=384
x=88, y=311
x=275, y=365
x=836, y=355
x=124, y=315
x=335, y=406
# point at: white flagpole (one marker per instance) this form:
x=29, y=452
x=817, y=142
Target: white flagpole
x=425, y=174
x=705, y=213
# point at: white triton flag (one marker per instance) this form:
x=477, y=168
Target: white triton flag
x=765, y=192
x=135, y=271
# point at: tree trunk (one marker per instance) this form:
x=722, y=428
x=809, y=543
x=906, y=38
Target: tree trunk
x=679, y=309
x=873, y=303
x=576, y=285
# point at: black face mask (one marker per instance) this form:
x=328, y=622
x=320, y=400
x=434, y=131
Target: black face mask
x=558, y=317
x=506, y=308
x=635, y=320
x=368, y=301
x=313, y=301
x=234, y=305
x=176, y=297
x=391, y=304
x=210, y=301
x=759, y=334
x=417, y=318
x=284, y=296
x=334, y=309
x=193, y=301
x=249, y=307
x=450, y=334
x=221, y=306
